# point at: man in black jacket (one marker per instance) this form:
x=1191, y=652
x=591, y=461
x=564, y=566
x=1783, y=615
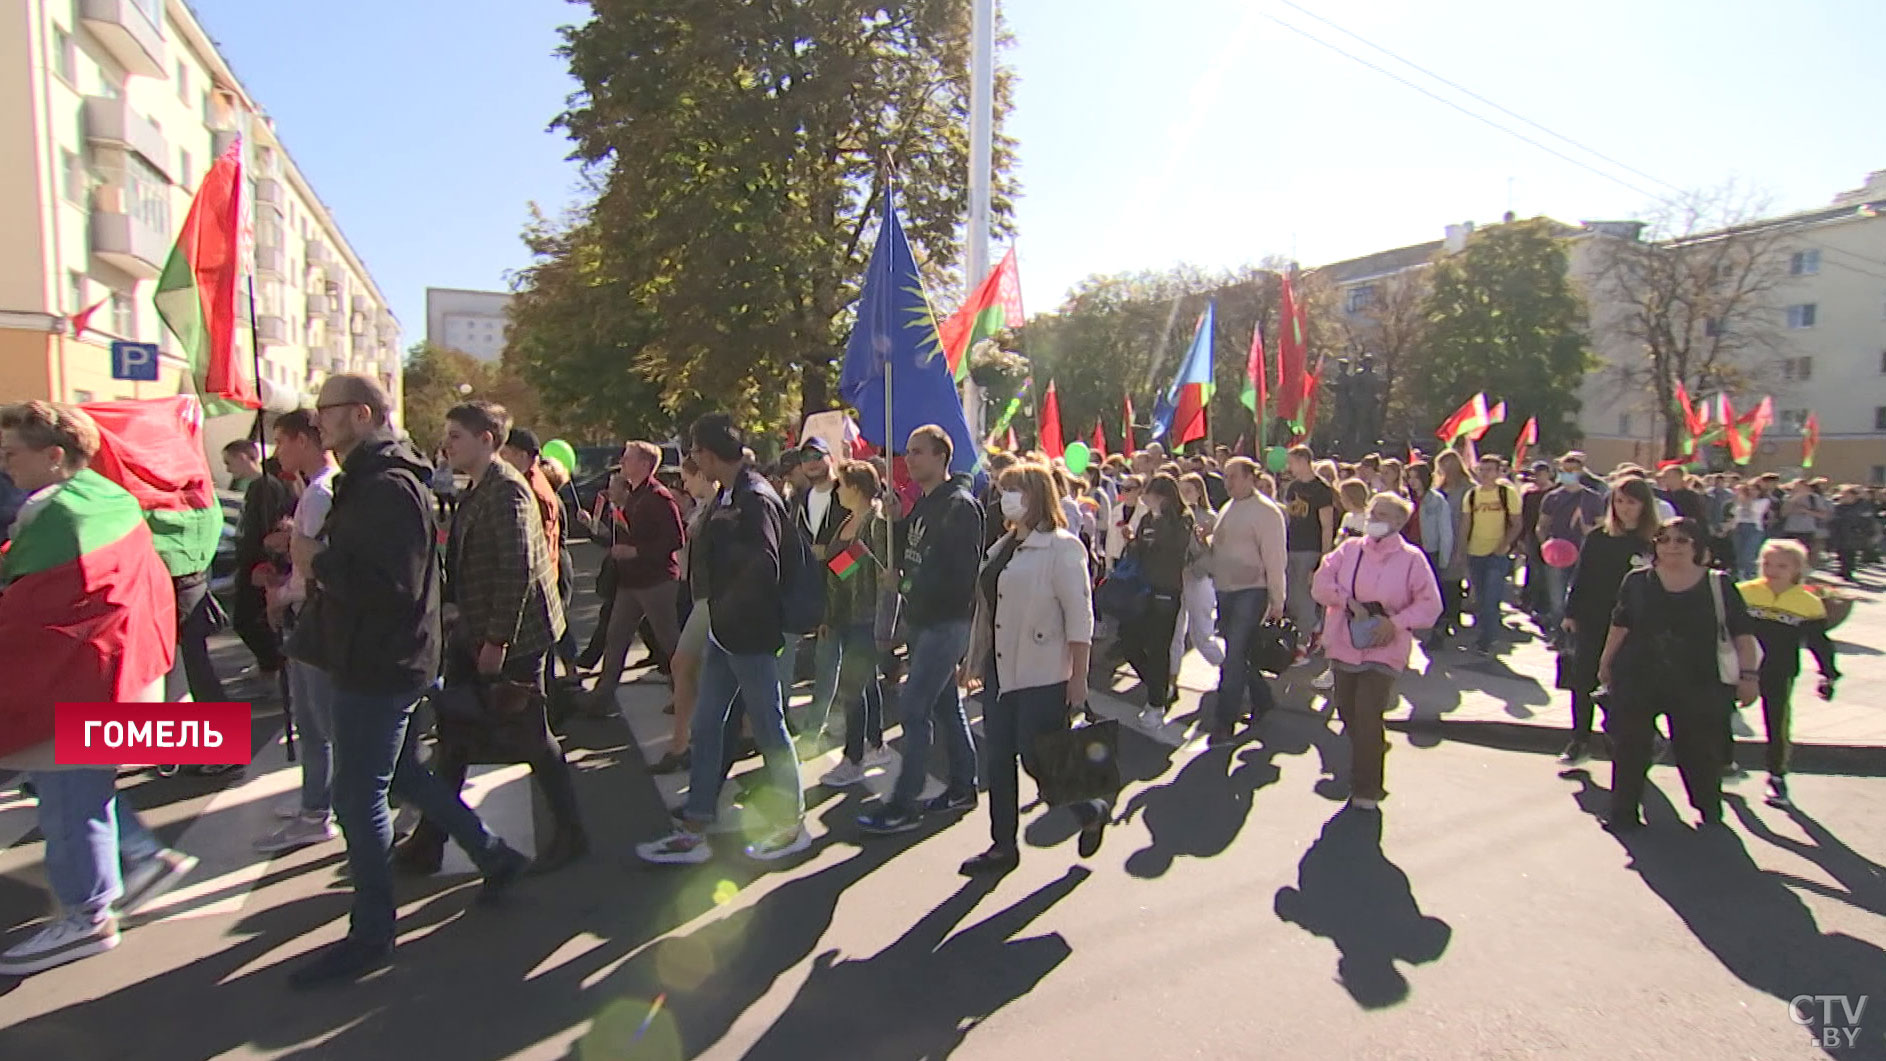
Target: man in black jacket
x=942, y=556
x=738, y=553
x=372, y=622
x=815, y=514
x=266, y=501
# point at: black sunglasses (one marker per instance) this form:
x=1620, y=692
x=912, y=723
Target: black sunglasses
x=1671, y=539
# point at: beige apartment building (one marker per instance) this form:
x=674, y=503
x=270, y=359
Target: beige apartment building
x=111, y=112
x=1827, y=352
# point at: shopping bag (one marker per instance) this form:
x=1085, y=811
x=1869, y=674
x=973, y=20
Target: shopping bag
x=1073, y=765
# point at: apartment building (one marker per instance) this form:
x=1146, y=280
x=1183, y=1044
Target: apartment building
x=1826, y=354
x=113, y=113
x=470, y=321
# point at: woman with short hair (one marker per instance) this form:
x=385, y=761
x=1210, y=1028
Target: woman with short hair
x=1029, y=648
x=1160, y=545
x=1378, y=589
x=1198, y=613
x=1612, y=550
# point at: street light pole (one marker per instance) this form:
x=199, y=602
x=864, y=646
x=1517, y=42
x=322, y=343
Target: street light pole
x=981, y=172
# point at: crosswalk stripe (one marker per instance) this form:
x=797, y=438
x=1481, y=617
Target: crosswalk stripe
x=502, y=797
x=19, y=814
x=222, y=838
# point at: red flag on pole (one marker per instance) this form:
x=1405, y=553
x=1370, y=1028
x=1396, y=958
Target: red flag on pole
x=1100, y=440
x=1256, y=396
x=1470, y=417
x=1050, y=429
x=1528, y=438
x=1127, y=445
x=1291, y=355
x=1311, y=382
x=1810, y=439
x=1495, y=415
x=83, y=318
x=196, y=293
x=1009, y=443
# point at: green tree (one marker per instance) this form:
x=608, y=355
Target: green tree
x=735, y=150
x=1503, y=317
x=436, y=378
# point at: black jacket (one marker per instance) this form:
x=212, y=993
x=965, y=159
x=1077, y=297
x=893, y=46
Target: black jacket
x=373, y=612
x=737, y=555
x=826, y=532
x=264, y=504
x=942, y=555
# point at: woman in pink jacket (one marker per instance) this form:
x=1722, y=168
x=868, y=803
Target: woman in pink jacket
x=1378, y=590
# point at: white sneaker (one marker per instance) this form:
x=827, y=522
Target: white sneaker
x=68, y=939
x=679, y=848
x=302, y=831
x=881, y=755
x=1152, y=717
x=152, y=877
x=1364, y=804
x=782, y=844
x=1324, y=682
x=845, y=773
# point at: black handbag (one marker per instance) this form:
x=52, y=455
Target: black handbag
x=1274, y=648
x=1073, y=765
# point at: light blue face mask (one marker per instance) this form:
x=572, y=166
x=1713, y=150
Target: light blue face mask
x=1569, y=478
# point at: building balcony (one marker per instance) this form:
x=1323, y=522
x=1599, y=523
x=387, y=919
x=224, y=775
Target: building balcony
x=130, y=244
x=220, y=141
x=271, y=330
x=129, y=31
x=318, y=254
x=112, y=123
x=358, y=324
x=268, y=192
x=269, y=262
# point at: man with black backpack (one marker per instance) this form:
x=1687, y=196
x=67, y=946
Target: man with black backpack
x=754, y=571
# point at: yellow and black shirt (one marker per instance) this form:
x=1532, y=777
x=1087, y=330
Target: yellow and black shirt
x=1785, y=622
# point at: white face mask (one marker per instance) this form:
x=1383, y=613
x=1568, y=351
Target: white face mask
x=1014, y=506
x=1375, y=528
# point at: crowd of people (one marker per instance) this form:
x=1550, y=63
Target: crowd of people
x=373, y=582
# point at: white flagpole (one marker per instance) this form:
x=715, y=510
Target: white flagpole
x=981, y=173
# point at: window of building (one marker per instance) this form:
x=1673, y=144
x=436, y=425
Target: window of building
x=75, y=290
x=1797, y=369
x=1804, y=263
x=1792, y=420
x=81, y=397
x=186, y=173
x=1802, y=316
x=1879, y=475
x=183, y=82
x=1624, y=424
x=108, y=86
x=1360, y=298
x=65, y=57
x=147, y=193
x=209, y=117
x=124, y=320
x=1712, y=327
x=1879, y=418
x=72, y=177
x=1882, y=362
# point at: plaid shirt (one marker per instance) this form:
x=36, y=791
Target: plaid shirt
x=498, y=568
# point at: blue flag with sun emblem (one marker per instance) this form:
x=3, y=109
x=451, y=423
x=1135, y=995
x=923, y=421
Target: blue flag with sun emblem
x=896, y=337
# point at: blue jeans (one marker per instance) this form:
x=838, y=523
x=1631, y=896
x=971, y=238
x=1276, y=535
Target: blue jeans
x=1010, y=724
x=1557, y=584
x=1748, y=550
x=930, y=696
x=1240, y=614
x=858, y=689
x=312, y=693
x=728, y=678
x=376, y=751
x=825, y=675
x=90, y=831
x=1488, y=576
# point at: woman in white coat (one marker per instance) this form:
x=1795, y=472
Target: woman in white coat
x=1198, y=616
x=1029, y=647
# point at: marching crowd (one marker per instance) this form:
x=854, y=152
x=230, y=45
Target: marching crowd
x=372, y=583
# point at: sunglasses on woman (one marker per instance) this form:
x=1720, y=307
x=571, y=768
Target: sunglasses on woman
x=1671, y=539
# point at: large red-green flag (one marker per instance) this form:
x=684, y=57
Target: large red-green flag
x=1292, y=354
x=1472, y=416
x=153, y=448
x=1256, y=396
x=88, y=615
x=1048, y=432
x=994, y=305
x=196, y=294
x=1810, y=439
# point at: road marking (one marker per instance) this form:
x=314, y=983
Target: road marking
x=502, y=797
x=222, y=837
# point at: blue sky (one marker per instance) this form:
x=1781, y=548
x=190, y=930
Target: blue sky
x=1192, y=131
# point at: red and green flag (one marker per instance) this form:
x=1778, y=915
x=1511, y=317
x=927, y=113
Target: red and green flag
x=996, y=304
x=1495, y=415
x=1306, y=419
x=153, y=448
x=1099, y=444
x=1256, y=396
x=1292, y=353
x=848, y=560
x=1470, y=418
x=88, y=615
x=1810, y=439
x=1528, y=438
x=1048, y=432
x=196, y=293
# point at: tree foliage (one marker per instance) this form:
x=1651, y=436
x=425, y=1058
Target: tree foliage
x=1391, y=326
x=437, y=378
x=735, y=150
x=1504, y=317
x=1695, y=299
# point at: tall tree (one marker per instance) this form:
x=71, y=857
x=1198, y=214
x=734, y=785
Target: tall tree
x=736, y=149
x=1503, y=317
x=437, y=378
x=1691, y=298
x=1389, y=323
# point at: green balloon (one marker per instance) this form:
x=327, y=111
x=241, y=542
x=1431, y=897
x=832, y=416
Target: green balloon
x=1276, y=458
x=563, y=453
x=1077, y=457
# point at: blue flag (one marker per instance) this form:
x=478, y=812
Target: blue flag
x=896, y=334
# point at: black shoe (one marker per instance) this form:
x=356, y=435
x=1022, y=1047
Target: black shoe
x=1575, y=753
x=419, y=855
x=951, y=803
x=1778, y=793
x=567, y=846
x=341, y=963
x=1222, y=735
x=1093, y=826
x=508, y=864
x=1618, y=824
x=993, y=862
x=888, y=820
x=672, y=762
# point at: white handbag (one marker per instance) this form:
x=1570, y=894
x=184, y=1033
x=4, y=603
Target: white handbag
x=1728, y=664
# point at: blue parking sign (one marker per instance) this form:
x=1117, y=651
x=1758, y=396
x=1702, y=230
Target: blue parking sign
x=134, y=361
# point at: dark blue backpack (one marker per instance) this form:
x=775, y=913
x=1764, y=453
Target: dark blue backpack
x=801, y=581
x=1124, y=593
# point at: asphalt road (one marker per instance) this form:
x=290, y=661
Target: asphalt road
x=1238, y=911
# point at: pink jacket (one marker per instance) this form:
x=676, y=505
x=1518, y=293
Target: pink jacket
x=1394, y=574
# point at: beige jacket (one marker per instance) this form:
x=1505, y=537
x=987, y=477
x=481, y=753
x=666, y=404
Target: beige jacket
x=1044, y=602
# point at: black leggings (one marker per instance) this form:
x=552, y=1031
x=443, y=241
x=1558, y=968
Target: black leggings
x=1698, y=716
x=1148, y=641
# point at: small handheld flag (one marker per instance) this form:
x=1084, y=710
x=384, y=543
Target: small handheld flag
x=847, y=562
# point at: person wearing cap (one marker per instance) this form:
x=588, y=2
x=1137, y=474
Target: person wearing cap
x=816, y=513
x=1533, y=488
x=522, y=451
x=1568, y=511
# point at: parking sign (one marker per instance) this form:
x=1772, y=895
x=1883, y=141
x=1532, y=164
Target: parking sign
x=134, y=361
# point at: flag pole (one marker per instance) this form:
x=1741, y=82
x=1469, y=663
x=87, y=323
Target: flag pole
x=981, y=173
x=255, y=365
